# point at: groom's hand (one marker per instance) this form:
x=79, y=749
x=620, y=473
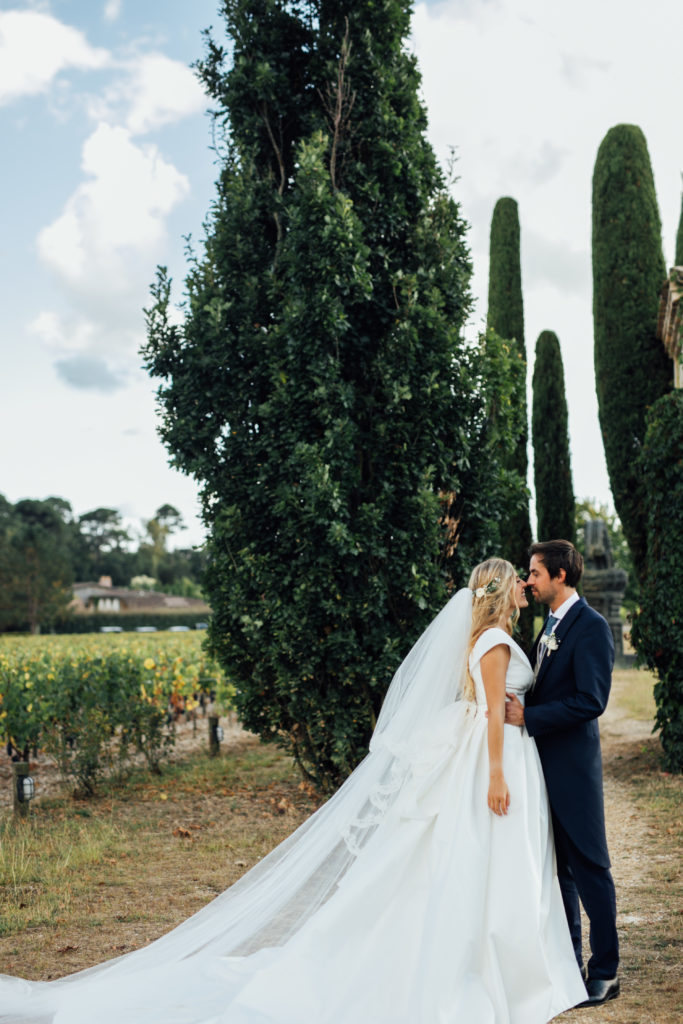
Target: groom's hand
x=514, y=710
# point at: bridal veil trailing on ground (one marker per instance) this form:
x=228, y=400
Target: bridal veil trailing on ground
x=388, y=906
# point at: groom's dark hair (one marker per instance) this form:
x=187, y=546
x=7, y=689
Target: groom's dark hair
x=559, y=554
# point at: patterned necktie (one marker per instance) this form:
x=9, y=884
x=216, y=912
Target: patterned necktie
x=547, y=630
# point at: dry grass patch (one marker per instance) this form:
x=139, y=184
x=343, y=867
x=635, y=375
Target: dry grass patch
x=83, y=881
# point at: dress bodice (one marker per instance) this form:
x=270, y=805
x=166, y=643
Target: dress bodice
x=519, y=676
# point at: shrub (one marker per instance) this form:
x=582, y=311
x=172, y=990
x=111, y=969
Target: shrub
x=93, y=701
x=658, y=626
x=631, y=368
x=506, y=317
x=549, y=427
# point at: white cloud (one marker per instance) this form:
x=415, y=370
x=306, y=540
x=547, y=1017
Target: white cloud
x=88, y=354
x=35, y=47
x=164, y=90
x=103, y=248
x=151, y=91
x=112, y=10
x=62, y=334
x=113, y=224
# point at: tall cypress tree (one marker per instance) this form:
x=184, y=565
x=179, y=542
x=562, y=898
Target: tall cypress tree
x=506, y=305
x=320, y=388
x=550, y=437
x=631, y=367
x=506, y=318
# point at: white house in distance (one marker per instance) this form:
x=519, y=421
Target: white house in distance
x=102, y=598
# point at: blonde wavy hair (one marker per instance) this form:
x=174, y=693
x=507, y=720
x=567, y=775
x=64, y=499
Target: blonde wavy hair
x=493, y=585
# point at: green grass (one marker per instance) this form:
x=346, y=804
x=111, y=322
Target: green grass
x=39, y=865
x=633, y=693
x=92, y=877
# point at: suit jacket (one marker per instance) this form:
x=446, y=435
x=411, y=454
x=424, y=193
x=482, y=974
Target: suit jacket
x=562, y=708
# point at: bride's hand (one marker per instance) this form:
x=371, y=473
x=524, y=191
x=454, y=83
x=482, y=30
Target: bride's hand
x=499, y=795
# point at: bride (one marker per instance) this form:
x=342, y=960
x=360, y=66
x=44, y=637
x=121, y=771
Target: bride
x=423, y=892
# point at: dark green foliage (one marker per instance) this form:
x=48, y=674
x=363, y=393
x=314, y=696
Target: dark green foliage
x=631, y=367
x=129, y=621
x=498, y=491
x=320, y=389
x=100, y=547
x=506, y=317
x=678, y=259
x=550, y=433
x=44, y=548
x=658, y=627
x=506, y=305
x=35, y=566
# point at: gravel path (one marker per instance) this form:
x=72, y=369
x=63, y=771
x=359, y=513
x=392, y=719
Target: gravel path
x=646, y=874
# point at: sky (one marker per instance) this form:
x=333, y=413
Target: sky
x=108, y=166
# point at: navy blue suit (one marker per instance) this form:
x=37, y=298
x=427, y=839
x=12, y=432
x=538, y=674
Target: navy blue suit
x=562, y=708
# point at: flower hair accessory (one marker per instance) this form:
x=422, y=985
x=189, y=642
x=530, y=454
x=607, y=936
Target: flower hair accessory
x=490, y=588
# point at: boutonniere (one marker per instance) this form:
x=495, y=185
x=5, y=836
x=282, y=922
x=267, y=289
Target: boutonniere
x=551, y=642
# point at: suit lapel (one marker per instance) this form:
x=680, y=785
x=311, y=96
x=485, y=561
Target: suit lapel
x=561, y=630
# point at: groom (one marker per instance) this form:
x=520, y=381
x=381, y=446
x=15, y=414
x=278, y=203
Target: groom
x=572, y=659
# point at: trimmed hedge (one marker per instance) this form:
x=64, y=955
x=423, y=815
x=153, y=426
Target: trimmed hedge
x=506, y=317
x=658, y=626
x=632, y=369
x=129, y=621
x=506, y=305
x=550, y=433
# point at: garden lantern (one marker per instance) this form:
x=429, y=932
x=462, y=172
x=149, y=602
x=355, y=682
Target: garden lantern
x=26, y=788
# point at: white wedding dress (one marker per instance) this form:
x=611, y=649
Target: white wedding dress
x=439, y=912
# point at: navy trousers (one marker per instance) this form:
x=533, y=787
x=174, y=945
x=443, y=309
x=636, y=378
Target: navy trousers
x=581, y=879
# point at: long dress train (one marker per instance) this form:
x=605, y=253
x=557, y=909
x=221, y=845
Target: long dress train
x=444, y=914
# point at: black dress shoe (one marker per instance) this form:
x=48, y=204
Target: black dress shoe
x=600, y=990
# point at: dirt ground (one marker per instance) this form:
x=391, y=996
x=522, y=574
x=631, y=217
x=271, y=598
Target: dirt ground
x=210, y=840
x=646, y=863
x=190, y=736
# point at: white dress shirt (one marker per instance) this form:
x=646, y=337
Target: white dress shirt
x=560, y=612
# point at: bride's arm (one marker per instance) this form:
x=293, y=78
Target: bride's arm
x=494, y=666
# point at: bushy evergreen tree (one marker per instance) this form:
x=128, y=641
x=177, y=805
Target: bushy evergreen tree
x=555, y=513
x=506, y=317
x=657, y=633
x=632, y=369
x=319, y=388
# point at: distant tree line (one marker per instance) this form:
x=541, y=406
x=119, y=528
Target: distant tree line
x=45, y=548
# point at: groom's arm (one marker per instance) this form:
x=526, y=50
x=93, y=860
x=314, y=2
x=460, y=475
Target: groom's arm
x=593, y=657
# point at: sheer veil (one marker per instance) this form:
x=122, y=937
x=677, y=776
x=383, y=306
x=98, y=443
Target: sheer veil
x=274, y=900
